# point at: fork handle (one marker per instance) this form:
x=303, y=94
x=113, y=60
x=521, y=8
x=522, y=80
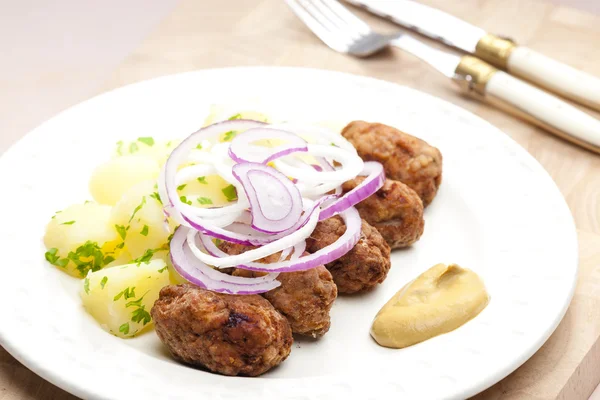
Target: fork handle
x=508, y=93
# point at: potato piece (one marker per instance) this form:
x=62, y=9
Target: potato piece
x=222, y=113
x=205, y=191
x=112, y=179
x=121, y=298
x=140, y=220
x=146, y=146
x=80, y=238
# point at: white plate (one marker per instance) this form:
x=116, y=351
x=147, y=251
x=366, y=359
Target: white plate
x=497, y=212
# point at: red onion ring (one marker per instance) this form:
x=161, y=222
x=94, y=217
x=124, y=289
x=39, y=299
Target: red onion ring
x=372, y=183
x=275, y=202
x=167, y=184
x=327, y=254
x=242, y=149
x=198, y=273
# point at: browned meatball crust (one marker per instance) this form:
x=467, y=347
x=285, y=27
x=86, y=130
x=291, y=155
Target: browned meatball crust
x=395, y=210
x=405, y=158
x=228, y=334
x=304, y=297
x=363, y=267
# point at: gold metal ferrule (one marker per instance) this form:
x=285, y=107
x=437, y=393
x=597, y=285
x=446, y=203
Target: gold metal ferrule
x=472, y=74
x=495, y=50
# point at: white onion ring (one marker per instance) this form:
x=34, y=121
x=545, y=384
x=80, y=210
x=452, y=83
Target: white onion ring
x=204, y=276
x=242, y=149
x=275, y=201
x=372, y=183
x=327, y=254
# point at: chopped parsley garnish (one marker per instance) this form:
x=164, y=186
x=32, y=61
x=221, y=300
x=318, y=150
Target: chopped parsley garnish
x=146, y=140
x=103, y=282
x=202, y=180
x=181, y=187
x=199, y=147
x=218, y=242
x=204, y=200
x=138, y=208
x=156, y=196
x=163, y=269
x=146, y=257
x=144, y=231
x=139, y=314
x=108, y=260
x=87, y=257
x=55, y=214
x=87, y=202
x=133, y=148
x=120, y=147
x=120, y=245
x=51, y=256
x=229, y=136
x=236, y=116
x=124, y=329
x=230, y=192
x=86, y=285
x=122, y=231
x=127, y=294
x=185, y=200
x=68, y=223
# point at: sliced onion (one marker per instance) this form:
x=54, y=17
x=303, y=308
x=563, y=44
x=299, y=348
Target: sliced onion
x=327, y=254
x=352, y=164
x=242, y=148
x=275, y=202
x=258, y=253
x=167, y=185
x=319, y=134
x=371, y=184
x=198, y=273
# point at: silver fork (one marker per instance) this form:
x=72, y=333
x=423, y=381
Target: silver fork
x=339, y=28
x=346, y=33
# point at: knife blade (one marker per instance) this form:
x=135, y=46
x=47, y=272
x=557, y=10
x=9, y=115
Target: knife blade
x=501, y=52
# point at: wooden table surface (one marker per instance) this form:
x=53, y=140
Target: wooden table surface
x=216, y=33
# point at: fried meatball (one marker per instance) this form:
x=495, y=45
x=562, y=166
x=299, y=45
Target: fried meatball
x=228, y=334
x=405, y=158
x=304, y=297
x=395, y=210
x=363, y=267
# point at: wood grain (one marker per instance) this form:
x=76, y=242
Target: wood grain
x=216, y=33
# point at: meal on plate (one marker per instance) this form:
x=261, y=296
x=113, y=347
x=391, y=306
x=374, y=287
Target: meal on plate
x=231, y=240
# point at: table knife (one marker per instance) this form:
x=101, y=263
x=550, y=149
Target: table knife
x=483, y=81
x=501, y=52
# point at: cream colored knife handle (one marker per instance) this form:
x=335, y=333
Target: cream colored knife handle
x=555, y=76
x=543, y=71
x=530, y=103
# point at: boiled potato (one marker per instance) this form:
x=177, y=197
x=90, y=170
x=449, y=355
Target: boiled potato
x=81, y=238
x=222, y=113
x=140, y=221
x=112, y=179
x=148, y=147
x=206, y=191
x=121, y=298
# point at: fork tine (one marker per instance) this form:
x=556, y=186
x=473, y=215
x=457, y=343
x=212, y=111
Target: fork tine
x=342, y=14
x=321, y=26
x=339, y=23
